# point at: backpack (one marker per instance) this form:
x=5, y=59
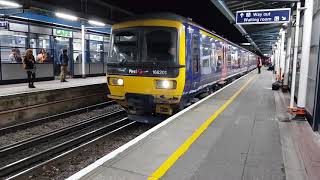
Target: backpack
x=276, y=86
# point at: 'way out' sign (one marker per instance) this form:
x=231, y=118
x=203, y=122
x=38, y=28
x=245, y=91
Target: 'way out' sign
x=263, y=16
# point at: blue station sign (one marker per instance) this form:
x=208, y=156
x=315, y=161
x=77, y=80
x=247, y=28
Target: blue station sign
x=263, y=16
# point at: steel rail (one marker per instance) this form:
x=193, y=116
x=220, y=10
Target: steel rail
x=16, y=127
x=27, y=143
x=48, y=153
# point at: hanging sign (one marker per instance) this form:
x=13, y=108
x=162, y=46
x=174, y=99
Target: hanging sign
x=62, y=33
x=263, y=16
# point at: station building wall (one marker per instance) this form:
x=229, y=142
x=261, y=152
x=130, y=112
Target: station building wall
x=19, y=35
x=313, y=75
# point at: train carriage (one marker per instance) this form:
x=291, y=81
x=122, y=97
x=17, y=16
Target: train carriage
x=159, y=63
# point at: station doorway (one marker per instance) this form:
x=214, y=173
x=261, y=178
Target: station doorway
x=61, y=43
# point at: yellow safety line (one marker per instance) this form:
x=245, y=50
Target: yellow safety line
x=158, y=173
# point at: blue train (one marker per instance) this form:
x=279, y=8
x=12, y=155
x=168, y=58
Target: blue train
x=159, y=63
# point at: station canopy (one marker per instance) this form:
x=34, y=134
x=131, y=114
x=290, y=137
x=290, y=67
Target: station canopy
x=214, y=15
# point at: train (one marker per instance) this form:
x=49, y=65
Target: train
x=160, y=63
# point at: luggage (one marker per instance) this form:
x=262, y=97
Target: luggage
x=276, y=86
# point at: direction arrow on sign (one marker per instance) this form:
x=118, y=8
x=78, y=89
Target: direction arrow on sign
x=263, y=16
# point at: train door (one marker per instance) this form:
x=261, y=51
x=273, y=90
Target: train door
x=195, y=55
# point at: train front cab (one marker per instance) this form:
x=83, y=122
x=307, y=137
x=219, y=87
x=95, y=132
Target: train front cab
x=146, y=75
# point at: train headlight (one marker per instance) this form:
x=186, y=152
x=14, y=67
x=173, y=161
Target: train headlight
x=166, y=84
x=116, y=81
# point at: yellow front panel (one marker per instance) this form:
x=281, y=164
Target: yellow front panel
x=146, y=85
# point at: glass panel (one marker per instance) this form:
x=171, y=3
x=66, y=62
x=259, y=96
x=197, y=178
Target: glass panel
x=77, y=56
x=206, y=51
x=105, y=56
x=95, y=57
x=106, y=47
x=125, y=47
x=40, y=45
x=12, y=55
x=96, y=46
x=77, y=44
x=195, y=53
x=12, y=39
x=61, y=43
x=96, y=51
x=13, y=45
x=219, y=55
x=159, y=46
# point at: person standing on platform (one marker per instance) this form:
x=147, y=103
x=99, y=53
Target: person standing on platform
x=42, y=56
x=64, y=60
x=259, y=65
x=30, y=67
x=13, y=56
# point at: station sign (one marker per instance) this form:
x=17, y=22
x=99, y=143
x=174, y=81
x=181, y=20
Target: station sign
x=96, y=37
x=263, y=16
x=62, y=33
x=4, y=24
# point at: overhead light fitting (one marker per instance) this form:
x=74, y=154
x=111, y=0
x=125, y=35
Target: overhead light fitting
x=97, y=23
x=245, y=44
x=9, y=4
x=66, y=16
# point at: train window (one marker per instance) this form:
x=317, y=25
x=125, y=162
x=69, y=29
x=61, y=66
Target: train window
x=159, y=45
x=195, y=53
x=125, y=47
x=219, y=55
x=206, y=52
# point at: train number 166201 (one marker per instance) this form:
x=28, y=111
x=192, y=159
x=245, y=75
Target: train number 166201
x=160, y=72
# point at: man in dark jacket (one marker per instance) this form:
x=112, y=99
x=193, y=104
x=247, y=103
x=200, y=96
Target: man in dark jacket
x=64, y=60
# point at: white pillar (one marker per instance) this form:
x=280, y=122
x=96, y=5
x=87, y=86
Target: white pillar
x=295, y=55
x=83, y=51
x=278, y=57
x=282, y=53
x=288, y=57
x=307, y=26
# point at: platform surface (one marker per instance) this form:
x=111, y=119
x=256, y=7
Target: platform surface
x=243, y=142
x=12, y=89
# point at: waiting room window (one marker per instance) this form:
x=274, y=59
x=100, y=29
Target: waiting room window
x=40, y=45
x=13, y=46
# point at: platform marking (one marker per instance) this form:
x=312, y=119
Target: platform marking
x=134, y=141
x=165, y=166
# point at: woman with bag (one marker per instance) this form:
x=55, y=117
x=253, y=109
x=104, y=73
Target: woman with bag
x=30, y=67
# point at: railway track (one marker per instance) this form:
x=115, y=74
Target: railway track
x=13, y=128
x=32, y=161
x=13, y=148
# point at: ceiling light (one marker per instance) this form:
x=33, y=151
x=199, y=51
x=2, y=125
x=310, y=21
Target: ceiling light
x=245, y=44
x=9, y=4
x=66, y=16
x=97, y=23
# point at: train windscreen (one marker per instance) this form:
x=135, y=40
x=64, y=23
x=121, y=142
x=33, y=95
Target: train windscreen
x=145, y=46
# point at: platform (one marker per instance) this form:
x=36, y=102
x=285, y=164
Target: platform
x=19, y=104
x=22, y=88
x=232, y=134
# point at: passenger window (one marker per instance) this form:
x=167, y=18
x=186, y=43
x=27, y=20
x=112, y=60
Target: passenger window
x=206, y=51
x=195, y=53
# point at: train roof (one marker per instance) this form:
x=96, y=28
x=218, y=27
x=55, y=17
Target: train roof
x=164, y=15
x=176, y=17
